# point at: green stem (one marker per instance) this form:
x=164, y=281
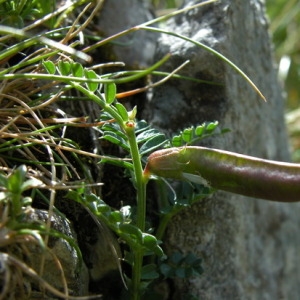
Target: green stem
x=164, y=221
x=163, y=224
x=136, y=275
x=210, y=50
x=164, y=204
x=140, y=184
x=106, y=107
x=16, y=205
x=72, y=79
x=139, y=180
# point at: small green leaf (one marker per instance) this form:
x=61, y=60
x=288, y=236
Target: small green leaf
x=180, y=272
x=166, y=270
x=225, y=130
x=199, y=130
x=132, y=113
x=91, y=74
x=181, y=266
x=49, y=67
x=73, y=195
x=176, y=258
x=64, y=67
x=198, y=270
x=102, y=207
x=146, y=135
x=149, y=272
x=156, y=142
x=117, y=162
x=110, y=91
x=149, y=241
x=191, y=259
x=16, y=179
x=141, y=125
x=133, y=231
x=187, y=134
x=122, y=111
x=114, y=127
x=159, y=252
x=115, y=217
x=211, y=126
x=77, y=70
x=92, y=198
x=3, y=181
x=115, y=139
x=177, y=141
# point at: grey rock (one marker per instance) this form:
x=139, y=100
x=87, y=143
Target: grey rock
x=135, y=49
x=74, y=269
x=249, y=247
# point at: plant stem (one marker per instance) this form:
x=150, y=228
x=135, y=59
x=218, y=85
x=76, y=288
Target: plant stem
x=210, y=50
x=106, y=107
x=164, y=221
x=140, y=184
x=139, y=180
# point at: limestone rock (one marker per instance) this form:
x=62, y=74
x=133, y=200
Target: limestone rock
x=74, y=269
x=249, y=247
x=134, y=49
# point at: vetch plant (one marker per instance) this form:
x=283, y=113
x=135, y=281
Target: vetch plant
x=137, y=139
x=21, y=232
x=118, y=125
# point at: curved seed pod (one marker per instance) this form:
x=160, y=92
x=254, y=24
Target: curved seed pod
x=229, y=171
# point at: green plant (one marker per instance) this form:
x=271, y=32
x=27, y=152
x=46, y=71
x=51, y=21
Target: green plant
x=13, y=187
x=34, y=129
x=181, y=266
x=18, y=232
x=17, y=13
x=30, y=136
x=138, y=140
x=14, y=13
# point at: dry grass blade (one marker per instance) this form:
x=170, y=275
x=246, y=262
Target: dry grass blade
x=14, y=269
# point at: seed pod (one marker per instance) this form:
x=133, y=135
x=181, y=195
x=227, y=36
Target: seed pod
x=229, y=171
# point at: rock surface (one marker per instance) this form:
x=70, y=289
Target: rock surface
x=74, y=269
x=134, y=49
x=249, y=247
